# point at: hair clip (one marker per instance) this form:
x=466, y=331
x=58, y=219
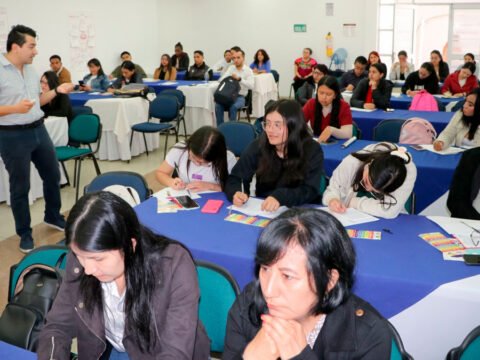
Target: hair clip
x=402, y=153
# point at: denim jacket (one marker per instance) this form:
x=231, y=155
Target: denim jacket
x=100, y=83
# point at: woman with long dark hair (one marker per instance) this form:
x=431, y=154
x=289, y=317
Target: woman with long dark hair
x=328, y=114
x=286, y=161
x=129, y=76
x=461, y=82
x=127, y=291
x=301, y=305
x=424, y=78
x=96, y=80
x=377, y=180
x=60, y=105
x=261, y=62
x=201, y=163
x=373, y=92
x=180, y=60
x=440, y=66
x=463, y=129
x=165, y=71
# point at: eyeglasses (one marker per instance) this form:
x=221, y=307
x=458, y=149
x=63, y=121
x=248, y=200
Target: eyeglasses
x=474, y=235
x=277, y=126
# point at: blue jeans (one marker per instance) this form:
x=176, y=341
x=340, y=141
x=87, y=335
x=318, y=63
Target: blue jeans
x=18, y=148
x=117, y=355
x=232, y=110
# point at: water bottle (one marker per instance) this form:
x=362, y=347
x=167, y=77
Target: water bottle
x=207, y=77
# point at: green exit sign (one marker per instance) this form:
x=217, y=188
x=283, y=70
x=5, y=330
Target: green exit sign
x=300, y=27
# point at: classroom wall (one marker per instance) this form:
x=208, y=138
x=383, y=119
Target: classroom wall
x=213, y=26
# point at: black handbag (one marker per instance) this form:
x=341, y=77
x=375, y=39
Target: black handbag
x=227, y=92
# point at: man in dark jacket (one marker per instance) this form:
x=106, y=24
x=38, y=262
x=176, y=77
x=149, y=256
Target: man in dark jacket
x=352, y=77
x=199, y=70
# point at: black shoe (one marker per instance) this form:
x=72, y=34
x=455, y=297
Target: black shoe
x=58, y=224
x=26, y=243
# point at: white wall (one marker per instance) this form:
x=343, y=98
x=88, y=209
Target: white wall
x=148, y=28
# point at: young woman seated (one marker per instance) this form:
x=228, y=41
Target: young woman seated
x=373, y=58
x=202, y=163
x=424, y=78
x=461, y=82
x=328, y=114
x=373, y=92
x=126, y=294
x=301, y=305
x=470, y=58
x=60, y=105
x=261, y=62
x=309, y=89
x=440, y=66
x=129, y=76
x=286, y=161
x=463, y=129
x=165, y=71
x=303, y=68
x=96, y=80
x=377, y=180
x=402, y=68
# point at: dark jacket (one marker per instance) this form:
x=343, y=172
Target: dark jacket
x=305, y=92
x=175, y=305
x=430, y=83
x=138, y=69
x=443, y=71
x=183, y=62
x=305, y=192
x=354, y=330
x=120, y=82
x=465, y=186
x=381, y=95
x=59, y=106
x=350, y=78
x=198, y=72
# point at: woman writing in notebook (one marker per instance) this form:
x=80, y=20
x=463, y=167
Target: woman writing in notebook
x=285, y=159
x=202, y=163
x=377, y=180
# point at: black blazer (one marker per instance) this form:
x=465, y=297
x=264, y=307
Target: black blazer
x=381, y=95
x=183, y=62
x=354, y=330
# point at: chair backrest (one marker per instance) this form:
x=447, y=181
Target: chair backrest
x=79, y=110
x=324, y=180
x=398, y=350
x=218, y=291
x=124, y=178
x=276, y=75
x=410, y=204
x=165, y=108
x=238, y=135
x=85, y=129
x=47, y=255
x=388, y=130
x=469, y=349
x=356, y=131
x=177, y=93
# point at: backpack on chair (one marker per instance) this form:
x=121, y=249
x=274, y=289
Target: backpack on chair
x=227, y=92
x=424, y=101
x=417, y=131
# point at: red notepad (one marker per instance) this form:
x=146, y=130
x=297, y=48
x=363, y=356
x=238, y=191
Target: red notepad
x=212, y=206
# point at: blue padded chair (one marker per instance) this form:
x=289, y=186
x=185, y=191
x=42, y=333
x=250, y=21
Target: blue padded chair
x=166, y=109
x=125, y=178
x=238, y=135
x=247, y=108
x=85, y=130
x=218, y=291
x=81, y=110
x=398, y=350
x=181, y=101
x=388, y=130
x=469, y=349
x=276, y=77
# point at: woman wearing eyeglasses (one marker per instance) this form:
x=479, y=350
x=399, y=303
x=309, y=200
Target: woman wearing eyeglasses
x=202, y=163
x=328, y=114
x=285, y=159
x=377, y=180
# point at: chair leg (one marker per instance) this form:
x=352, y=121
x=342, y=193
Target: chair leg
x=184, y=127
x=65, y=172
x=75, y=173
x=145, y=142
x=95, y=163
x=131, y=139
x=78, y=179
x=166, y=144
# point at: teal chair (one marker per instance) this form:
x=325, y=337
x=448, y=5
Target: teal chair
x=388, y=130
x=469, y=349
x=324, y=180
x=356, y=131
x=85, y=129
x=398, y=350
x=218, y=291
x=410, y=204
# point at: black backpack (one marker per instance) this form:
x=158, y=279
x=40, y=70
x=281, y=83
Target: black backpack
x=24, y=316
x=227, y=92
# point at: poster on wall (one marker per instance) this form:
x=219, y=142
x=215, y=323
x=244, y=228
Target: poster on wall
x=3, y=29
x=82, y=40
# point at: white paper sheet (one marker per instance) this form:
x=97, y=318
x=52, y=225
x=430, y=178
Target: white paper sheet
x=253, y=207
x=168, y=192
x=351, y=216
x=460, y=228
x=362, y=110
x=450, y=151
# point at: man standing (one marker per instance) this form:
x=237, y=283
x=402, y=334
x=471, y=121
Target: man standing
x=242, y=73
x=352, y=77
x=58, y=68
x=125, y=56
x=199, y=69
x=23, y=137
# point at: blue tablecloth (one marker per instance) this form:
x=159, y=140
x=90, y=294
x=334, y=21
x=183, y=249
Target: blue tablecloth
x=382, y=277
x=161, y=85
x=366, y=121
x=8, y=352
x=80, y=98
x=182, y=74
x=403, y=101
x=434, y=172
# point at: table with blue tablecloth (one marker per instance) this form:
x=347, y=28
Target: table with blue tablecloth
x=8, y=352
x=396, y=274
x=403, y=101
x=367, y=121
x=161, y=85
x=434, y=172
x=81, y=97
x=181, y=75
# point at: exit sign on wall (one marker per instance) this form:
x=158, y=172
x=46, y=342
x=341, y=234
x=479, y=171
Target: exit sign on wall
x=299, y=28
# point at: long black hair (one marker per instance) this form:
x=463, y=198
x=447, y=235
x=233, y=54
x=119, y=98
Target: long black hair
x=209, y=144
x=441, y=62
x=327, y=246
x=169, y=65
x=52, y=79
x=473, y=121
x=270, y=168
x=266, y=58
x=332, y=83
x=387, y=171
x=102, y=221
x=96, y=62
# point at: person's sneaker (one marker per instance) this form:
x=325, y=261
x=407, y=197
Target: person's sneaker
x=58, y=223
x=26, y=243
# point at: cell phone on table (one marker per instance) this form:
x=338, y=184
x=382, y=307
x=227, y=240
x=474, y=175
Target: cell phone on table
x=81, y=83
x=417, y=147
x=187, y=202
